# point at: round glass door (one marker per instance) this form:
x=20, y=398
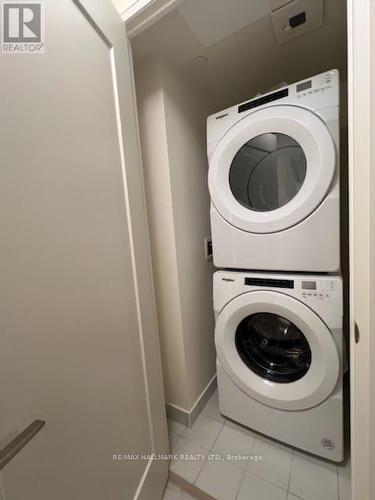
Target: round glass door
x=277, y=350
x=273, y=347
x=271, y=169
x=267, y=172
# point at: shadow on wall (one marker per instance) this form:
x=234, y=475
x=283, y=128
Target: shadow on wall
x=172, y=117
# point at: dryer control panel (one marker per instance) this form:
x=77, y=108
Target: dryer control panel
x=315, y=85
x=321, y=289
x=315, y=93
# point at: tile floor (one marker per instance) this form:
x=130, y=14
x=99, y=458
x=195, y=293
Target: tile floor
x=281, y=473
x=173, y=492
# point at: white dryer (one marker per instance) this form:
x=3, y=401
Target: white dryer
x=274, y=179
x=280, y=357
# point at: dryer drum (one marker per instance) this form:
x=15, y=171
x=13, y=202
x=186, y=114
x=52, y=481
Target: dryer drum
x=267, y=172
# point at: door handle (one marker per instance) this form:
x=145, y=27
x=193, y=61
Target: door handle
x=19, y=442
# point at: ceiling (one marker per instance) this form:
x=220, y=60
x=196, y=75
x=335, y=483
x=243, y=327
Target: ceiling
x=248, y=61
x=213, y=20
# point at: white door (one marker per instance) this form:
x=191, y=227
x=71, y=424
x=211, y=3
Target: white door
x=78, y=339
x=277, y=350
x=272, y=169
x=361, y=100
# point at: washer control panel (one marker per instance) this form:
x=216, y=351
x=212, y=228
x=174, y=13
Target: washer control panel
x=323, y=294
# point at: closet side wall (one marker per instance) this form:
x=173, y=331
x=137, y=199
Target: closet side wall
x=151, y=112
x=172, y=119
x=186, y=113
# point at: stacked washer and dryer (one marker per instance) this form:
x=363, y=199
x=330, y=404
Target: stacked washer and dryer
x=278, y=300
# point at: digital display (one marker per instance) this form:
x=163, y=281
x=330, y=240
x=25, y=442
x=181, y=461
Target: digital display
x=304, y=86
x=309, y=285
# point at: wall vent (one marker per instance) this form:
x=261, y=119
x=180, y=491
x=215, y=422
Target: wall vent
x=297, y=18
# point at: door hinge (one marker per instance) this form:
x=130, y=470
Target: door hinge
x=356, y=333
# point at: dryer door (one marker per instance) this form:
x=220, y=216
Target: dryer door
x=277, y=350
x=272, y=169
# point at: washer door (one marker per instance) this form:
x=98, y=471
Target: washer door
x=277, y=350
x=272, y=169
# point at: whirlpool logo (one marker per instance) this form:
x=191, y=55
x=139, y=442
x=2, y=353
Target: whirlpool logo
x=23, y=28
x=220, y=117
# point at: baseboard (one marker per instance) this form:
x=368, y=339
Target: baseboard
x=178, y=414
x=202, y=400
x=188, y=417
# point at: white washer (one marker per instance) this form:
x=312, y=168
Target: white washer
x=280, y=357
x=274, y=179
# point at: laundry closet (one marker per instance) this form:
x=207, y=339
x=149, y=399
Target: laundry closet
x=187, y=258
x=227, y=61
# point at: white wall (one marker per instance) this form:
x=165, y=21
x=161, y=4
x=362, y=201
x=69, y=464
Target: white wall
x=172, y=124
x=186, y=113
